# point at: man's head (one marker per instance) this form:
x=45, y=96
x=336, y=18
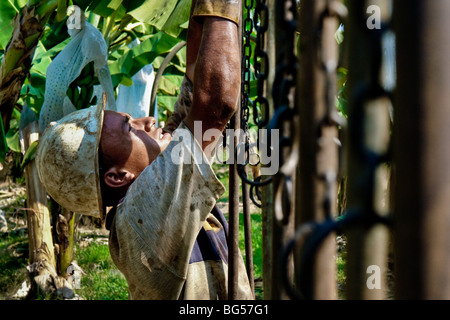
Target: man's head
x=73, y=169
x=127, y=147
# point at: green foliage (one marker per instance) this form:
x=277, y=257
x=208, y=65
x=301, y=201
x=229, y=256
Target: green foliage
x=7, y=13
x=3, y=143
x=29, y=154
x=125, y=63
x=341, y=98
x=12, y=137
x=158, y=25
x=169, y=16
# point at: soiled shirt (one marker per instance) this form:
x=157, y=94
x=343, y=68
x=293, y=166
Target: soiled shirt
x=168, y=237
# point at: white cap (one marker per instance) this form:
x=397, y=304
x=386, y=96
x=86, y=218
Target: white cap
x=67, y=160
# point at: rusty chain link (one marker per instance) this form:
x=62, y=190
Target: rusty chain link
x=260, y=104
x=285, y=109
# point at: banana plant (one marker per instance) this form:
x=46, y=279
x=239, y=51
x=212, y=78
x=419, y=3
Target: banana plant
x=34, y=32
x=27, y=40
x=27, y=25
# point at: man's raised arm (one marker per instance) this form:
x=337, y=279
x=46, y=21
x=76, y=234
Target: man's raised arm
x=217, y=69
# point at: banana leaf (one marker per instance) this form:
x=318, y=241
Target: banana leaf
x=169, y=16
x=8, y=10
x=132, y=60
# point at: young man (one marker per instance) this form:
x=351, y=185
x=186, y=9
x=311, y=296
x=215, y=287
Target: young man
x=166, y=234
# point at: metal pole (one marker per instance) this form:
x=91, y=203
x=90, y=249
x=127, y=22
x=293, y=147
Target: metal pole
x=422, y=156
x=319, y=150
x=267, y=203
x=233, y=217
x=278, y=222
x=248, y=233
x=367, y=143
x=285, y=120
x=233, y=203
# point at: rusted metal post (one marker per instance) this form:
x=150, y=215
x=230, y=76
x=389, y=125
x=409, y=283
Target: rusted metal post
x=319, y=148
x=270, y=286
x=422, y=156
x=367, y=144
x=285, y=122
x=275, y=230
x=248, y=234
x=233, y=203
x=233, y=217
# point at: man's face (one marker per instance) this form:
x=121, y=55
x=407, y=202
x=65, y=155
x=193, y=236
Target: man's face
x=132, y=143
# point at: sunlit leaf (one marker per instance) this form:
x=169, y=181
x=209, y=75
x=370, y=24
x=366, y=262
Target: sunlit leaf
x=29, y=154
x=12, y=139
x=153, y=12
x=139, y=56
x=7, y=13
x=170, y=84
x=3, y=143
x=165, y=102
x=177, y=21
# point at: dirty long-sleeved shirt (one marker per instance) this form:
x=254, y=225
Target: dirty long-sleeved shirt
x=168, y=237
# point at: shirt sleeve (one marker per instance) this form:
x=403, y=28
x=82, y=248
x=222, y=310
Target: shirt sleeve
x=156, y=225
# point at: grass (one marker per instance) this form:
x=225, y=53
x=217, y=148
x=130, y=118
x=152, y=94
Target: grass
x=256, y=229
x=13, y=262
x=13, y=245
x=102, y=281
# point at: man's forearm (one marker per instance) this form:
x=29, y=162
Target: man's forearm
x=216, y=76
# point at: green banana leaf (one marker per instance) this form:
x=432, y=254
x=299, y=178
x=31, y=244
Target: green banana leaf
x=132, y=60
x=12, y=136
x=170, y=84
x=29, y=155
x=3, y=143
x=169, y=16
x=165, y=15
x=8, y=10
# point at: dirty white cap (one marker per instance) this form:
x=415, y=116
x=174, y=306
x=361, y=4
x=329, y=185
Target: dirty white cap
x=67, y=160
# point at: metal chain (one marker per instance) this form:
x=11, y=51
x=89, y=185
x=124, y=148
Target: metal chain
x=285, y=109
x=366, y=215
x=261, y=64
x=246, y=64
x=259, y=23
x=328, y=56
x=328, y=143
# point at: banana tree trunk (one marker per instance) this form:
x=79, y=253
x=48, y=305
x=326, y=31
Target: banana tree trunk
x=42, y=260
x=14, y=69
